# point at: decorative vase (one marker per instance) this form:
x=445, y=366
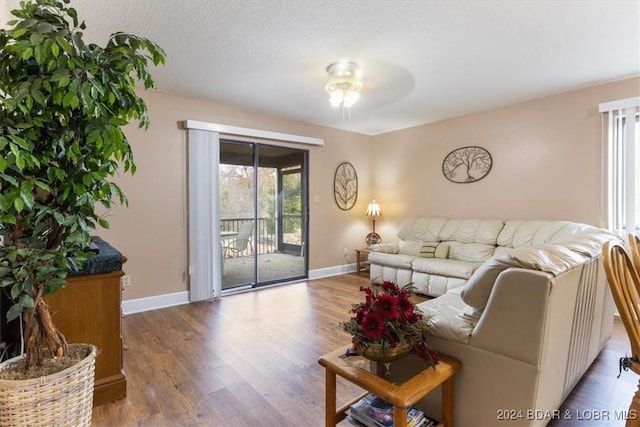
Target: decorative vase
x=385, y=353
x=61, y=399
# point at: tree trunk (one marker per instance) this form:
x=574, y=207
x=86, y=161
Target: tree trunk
x=41, y=333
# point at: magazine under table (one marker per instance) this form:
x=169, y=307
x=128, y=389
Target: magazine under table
x=401, y=396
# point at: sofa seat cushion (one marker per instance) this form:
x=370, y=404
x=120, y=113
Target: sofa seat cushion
x=445, y=267
x=448, y=317
x=391, y=260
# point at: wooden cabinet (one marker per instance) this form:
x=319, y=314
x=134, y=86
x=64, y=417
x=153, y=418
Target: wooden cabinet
x=88, y=310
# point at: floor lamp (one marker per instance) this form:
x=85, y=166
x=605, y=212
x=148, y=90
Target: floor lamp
x=373, y=210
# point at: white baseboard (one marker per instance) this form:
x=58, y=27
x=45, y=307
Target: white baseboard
x=139, y=305
x=152, y=303
x=332, y=271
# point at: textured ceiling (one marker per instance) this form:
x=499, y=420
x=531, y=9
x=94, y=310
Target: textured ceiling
x=422, y=61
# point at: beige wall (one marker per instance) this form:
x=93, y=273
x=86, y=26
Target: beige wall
x=152, y=232
x=546, y=164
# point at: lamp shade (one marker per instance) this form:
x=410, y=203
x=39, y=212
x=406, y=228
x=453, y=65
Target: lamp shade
x=374, y=209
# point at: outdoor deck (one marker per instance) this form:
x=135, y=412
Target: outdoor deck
x=271, y=267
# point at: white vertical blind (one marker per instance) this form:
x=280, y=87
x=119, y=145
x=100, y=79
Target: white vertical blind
x=622, y=163
x=205, y=253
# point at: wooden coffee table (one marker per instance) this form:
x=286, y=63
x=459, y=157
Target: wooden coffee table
x=401, y=395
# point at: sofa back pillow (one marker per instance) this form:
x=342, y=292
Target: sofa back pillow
x=442, y=251
x=549, y=258
x=483, y=231
x=474, y=252
x=423, y=249
x=479, y=286
x=409, y=247
x=423, y=229
x=517, y=234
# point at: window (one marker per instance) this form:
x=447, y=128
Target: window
x=622, y=163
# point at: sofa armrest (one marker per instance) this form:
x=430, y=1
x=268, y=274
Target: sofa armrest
x=513, y=321
x=387, y=248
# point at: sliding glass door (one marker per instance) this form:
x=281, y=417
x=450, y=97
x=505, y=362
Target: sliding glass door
x=263, y=222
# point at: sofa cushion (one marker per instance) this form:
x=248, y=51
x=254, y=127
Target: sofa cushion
x=442, y=251
x=516, y=234
x=428, y=250
x=550, y=258
x=475, y=252
x=387, y=248
x=472, y=231
x=391, y=260
x=445, y=317
x=479, y=286
x=409, y=247
x=445, y=267
x=424, y=229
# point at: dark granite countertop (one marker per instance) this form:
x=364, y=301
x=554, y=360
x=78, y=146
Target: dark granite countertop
x=106, y=260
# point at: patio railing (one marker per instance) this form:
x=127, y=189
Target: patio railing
x=266, y=241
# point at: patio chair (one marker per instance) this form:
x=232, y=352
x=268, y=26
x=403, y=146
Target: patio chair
x=624, y=282
x=240, y=242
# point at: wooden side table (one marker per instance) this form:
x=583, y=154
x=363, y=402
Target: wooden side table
x=401, y=396
x=362, y=262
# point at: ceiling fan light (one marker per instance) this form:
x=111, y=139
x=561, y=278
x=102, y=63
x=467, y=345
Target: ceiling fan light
x=344, y=85
x=350, y=98
x=335, y=98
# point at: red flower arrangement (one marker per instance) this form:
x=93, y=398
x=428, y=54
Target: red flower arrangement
x=387, y=317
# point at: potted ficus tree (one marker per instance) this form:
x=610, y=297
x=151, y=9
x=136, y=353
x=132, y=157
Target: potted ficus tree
x=63, y=103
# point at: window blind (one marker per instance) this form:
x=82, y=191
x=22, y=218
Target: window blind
x=621, y=130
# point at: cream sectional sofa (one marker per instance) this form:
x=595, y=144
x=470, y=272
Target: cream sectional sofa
x=526, y=314
x=461, y=246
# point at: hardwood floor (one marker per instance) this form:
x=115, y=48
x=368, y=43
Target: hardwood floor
x=250, y=359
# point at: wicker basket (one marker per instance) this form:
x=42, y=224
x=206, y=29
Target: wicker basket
x=61, y=399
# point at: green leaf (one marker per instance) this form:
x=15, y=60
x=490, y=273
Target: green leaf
x=18, y=204
x=28, y=200
x=27, y=53
x=45, y=27
x=11, y=180
x=18, y=32
x=38, y=96
x=8, y=219
x=27, y=23
x=14, y=312
x=68, y=99
x=20, y=162
x=27, y=301
x=16, y=289
x=36, y=38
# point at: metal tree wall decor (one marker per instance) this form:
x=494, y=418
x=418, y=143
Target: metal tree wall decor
x=467, y=164
x=345, y=186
